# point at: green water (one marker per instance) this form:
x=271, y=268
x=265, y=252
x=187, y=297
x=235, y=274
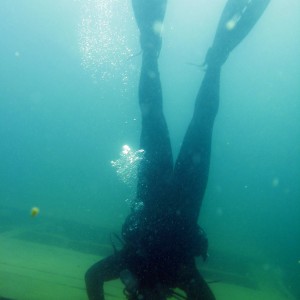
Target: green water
x=68, y=102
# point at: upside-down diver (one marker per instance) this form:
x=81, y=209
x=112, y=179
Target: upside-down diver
x=162, y=236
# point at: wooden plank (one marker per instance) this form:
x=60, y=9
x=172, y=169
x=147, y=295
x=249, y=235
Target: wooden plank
x=33, y=271
x=30, y=271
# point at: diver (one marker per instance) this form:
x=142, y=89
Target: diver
x=161, y=234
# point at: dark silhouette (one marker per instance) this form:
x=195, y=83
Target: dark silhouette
x=161, y=235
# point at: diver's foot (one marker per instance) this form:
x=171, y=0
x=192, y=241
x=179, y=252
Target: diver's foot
x=151, y=44
x=149, y=15
x=215, y=57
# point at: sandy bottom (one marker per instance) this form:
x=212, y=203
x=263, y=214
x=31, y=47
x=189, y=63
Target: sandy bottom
x=35, y=271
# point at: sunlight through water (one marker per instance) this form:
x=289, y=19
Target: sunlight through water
x=104, y=32
x=126, y=167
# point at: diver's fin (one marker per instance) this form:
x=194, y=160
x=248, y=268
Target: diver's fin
x=237, y=20
x=149, y=16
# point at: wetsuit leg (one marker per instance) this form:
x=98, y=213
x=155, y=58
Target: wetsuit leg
x=102, y=271
x=156, y=168
x=237, y=20
x=192, y=165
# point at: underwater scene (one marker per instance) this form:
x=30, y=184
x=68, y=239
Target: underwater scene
x=74, y=106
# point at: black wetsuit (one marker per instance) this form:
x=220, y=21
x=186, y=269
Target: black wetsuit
x=161, y=236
